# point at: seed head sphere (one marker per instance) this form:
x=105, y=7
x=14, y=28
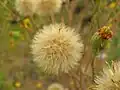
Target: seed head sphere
x=57, y=48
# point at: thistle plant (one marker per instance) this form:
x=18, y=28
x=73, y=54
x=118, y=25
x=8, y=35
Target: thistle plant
x=65, y=39
x=101, y=39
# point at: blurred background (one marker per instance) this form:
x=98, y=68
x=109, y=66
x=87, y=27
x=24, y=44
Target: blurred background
x=18, y=71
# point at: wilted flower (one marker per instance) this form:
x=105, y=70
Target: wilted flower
x=57, y=48
x=25, y=7
x=105, y=32
x=55, y=86
x=109, y=79
x=48, y=6
x=26, y=23
x=101, y=39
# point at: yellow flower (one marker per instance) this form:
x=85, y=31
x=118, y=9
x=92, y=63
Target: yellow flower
x=39, y=85
x=113, y=5
x=26, y=23
x=17, y=84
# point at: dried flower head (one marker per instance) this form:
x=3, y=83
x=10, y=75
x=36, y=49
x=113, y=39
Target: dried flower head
x=101, y=39
x=109, y=79
x=55, y=86
x=105, y=32
x=48, y=6
x=25, y=7
x=57, y=48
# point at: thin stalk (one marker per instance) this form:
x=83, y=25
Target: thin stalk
x=70, y=8
x=74, y=84
x=34, y=25
x=28, y=37
x=71, y=11
x=70, y=17
x=93, y=69
x=62, y=16
x=87, y=65
x=75, y=76
x=2, y=4
x=52, y=17
x=62, y=19
x=67, y=8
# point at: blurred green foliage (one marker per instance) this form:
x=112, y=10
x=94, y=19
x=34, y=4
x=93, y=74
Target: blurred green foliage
x=2, y=80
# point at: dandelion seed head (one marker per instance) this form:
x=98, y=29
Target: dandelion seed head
x=25, y=7
x=48, y=6
x=57, y=48
x=109, y=79
x=55, y=86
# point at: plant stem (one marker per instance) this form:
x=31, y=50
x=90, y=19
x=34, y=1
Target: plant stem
x=2, y=4
x=52, y=17
x=75, y=82
x=33, y=23
x=87, y=65
x=93, y=69
x=70, y=7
